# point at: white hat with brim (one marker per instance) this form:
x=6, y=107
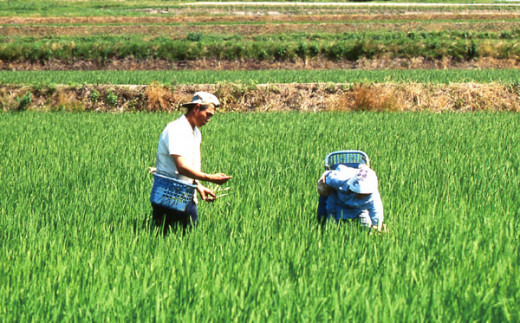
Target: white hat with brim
x=203, y=98
x=364, y=182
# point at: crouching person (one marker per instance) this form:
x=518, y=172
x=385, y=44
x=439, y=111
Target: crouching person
x=350, y=194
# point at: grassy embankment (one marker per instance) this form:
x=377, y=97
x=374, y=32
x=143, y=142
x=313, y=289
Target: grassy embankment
x=350, y=47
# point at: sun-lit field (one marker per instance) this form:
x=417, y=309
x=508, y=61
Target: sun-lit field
x=430, y=91
x=77, y=244
x=129, y=35
x=46, y=78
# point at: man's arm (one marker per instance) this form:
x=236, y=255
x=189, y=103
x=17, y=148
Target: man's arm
x=184, y=169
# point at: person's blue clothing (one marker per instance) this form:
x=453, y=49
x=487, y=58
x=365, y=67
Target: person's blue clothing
x=342, y=203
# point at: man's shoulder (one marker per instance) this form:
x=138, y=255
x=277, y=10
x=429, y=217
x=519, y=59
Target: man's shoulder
x=180, y=124
x=179, y=121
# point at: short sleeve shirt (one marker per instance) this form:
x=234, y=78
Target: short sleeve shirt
x=178, y=138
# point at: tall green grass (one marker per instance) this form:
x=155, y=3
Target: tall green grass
x=76, y=245
x=507, y=76
x=348, y=46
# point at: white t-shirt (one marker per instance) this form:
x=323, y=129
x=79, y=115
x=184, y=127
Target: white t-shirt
x=178, y=138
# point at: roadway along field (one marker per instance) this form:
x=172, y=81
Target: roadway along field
x=76, y=243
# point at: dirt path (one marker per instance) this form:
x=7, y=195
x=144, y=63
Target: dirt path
x=220, y=65
x=350, y=4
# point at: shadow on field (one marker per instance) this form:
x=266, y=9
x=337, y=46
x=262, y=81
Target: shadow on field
x=158, y=228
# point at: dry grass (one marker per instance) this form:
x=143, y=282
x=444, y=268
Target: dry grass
x=159, y=98
x=277, y=97
x=368, y=97
x=8, y=99
x=67, y=99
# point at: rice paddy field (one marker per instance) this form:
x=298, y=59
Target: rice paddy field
x=76, y=238
x=118, y=35
x=447, y=76
x=77, y=243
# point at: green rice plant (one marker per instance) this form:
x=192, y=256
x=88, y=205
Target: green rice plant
x=76, y=242
x=111, y=98
x=281, y=47
x=506, y=76
x=94, y=96
x=24, y=101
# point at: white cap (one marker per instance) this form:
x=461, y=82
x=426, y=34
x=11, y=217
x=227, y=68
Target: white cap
x=203, y=98
x=364, y=182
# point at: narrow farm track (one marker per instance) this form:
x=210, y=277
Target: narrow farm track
x=248, y=30
x=267, y=17
x=350, y=4
x=129, y=64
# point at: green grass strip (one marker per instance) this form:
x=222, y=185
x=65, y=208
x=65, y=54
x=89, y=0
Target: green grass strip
x=133, y=42
x=351, y=47
x=508, y=76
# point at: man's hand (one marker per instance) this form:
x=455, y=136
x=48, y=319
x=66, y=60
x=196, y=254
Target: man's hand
x=184, y=169
x=378, y=229
x=323, y=188
x=206, y=194
x=219, y=178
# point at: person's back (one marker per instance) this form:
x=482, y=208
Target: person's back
x=348, y=193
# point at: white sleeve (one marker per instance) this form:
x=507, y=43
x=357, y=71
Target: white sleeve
x=375, y=209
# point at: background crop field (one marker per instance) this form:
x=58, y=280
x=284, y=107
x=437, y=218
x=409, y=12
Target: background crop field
x=75, y=242
x=46, y=78
x=116, y=35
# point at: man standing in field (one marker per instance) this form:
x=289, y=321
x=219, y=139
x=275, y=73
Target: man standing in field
x=178, y=156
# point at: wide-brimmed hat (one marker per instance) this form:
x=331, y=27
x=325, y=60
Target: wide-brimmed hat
x=364, y=182
x=203, y=98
